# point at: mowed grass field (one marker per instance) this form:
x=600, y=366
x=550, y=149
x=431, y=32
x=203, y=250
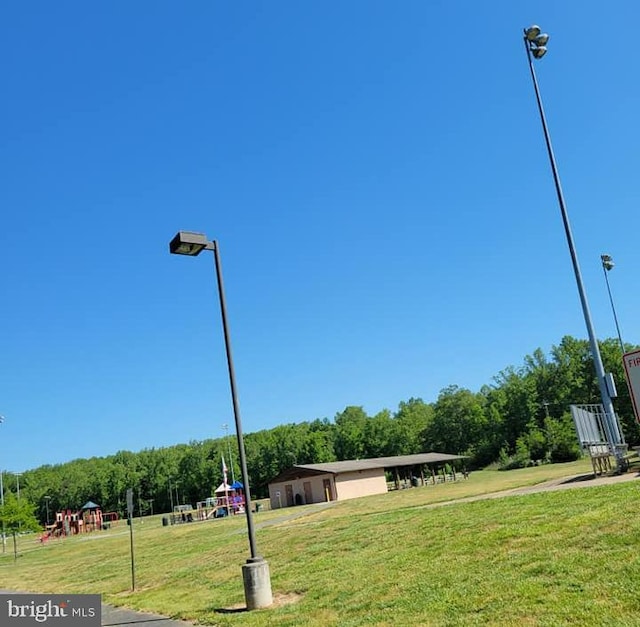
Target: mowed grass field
x=410, y=557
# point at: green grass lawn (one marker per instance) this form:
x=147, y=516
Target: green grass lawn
x=548, y=558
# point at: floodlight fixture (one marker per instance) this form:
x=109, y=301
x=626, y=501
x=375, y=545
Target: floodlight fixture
x=607, y=266
x=539, y=51
x=607, y=262
x=532, y=32
x=541, y=39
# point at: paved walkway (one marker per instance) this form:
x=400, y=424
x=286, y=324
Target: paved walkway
x=114, y=616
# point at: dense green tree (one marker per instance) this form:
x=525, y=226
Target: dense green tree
x=380, y=436
x=351, y=425
x=17, y=515
x=412, y=419
x=458, y=421
x=318, y=445
x=518, y=403
x=562, y=444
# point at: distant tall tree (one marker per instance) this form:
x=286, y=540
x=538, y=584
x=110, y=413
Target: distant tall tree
x=458, y=421
x=381, y=436
x=318, y=445
x=412, y=419
x=518, y=403
x=351, y=425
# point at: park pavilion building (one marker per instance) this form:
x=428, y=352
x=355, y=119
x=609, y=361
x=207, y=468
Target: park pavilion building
x=338, y=481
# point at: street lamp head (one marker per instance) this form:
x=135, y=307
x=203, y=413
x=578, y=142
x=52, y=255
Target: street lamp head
x=538, y=52
x=532, y=32
x=607, y=262
x=189, y=243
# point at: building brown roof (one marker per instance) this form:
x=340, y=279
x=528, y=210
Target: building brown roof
x=353, y=465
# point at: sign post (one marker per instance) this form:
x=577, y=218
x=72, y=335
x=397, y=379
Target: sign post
x=632, y=370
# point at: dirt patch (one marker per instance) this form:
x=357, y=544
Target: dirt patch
x=285, y=598
x=280, y=599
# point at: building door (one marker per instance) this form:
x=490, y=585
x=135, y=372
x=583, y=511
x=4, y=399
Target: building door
x=326, y=484
x=308, y=494
x=288, y=489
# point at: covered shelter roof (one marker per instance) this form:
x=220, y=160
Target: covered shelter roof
x=354, y=465
x=90, y=505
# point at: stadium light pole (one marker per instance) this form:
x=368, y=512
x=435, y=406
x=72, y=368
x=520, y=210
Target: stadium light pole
x=4, y=537
x=255, y=572
x=225, y=427
x=46, y=504
x=608, y=265
x=17, y=475
x=535, y=43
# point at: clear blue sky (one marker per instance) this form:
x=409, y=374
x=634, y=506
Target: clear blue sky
x=375, y=173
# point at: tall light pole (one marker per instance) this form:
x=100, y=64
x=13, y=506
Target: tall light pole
x=46, y=504
x=226, y=437
x=607, y=265
x=255, y=572
x=4, y=537
x=17, y=475
x=535, y=43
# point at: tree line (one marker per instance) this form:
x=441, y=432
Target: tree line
x=521, y=418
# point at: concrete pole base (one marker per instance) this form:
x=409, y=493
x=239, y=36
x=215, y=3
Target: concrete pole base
x=257, y=583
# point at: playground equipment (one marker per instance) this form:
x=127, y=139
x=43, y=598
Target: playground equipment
x=87, y=519
x=228, y=500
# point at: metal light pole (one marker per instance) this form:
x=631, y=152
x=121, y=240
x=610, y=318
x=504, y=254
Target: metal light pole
x=46, y=504
x=535, y=45
x=255, y=572
x=4, y=537
x=226, y=437
x=607, y=265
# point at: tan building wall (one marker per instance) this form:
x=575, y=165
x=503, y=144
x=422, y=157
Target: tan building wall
x=283, y=494
x=327, y=487
x=350, y=485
